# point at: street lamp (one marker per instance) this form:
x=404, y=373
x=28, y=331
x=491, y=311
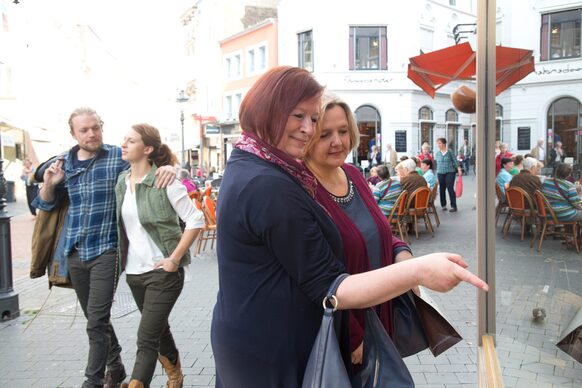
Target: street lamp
x=182, y=99
x=8, y=298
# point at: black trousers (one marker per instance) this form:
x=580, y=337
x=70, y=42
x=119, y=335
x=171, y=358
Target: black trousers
x=447, y=183
x=155, y=294
x=94, y=282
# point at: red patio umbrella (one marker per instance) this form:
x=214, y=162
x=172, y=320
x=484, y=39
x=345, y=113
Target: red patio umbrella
x=433, y=70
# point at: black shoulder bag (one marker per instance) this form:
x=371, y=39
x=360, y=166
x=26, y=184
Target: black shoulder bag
x=382, y=365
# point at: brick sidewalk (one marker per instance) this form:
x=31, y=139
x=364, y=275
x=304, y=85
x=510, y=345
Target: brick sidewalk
x=47, y=347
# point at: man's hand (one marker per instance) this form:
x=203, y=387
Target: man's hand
x=54, y=174
x=165, y=175
x=52, y=177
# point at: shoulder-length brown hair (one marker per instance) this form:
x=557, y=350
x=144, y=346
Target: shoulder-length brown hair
x=268, y=104
x=328, y=102
x=162, y=155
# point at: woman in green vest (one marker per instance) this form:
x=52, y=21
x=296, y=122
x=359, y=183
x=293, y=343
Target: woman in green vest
x=153, y=249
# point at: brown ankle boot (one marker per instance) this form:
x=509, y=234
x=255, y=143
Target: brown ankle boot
x=174, y=372
x=133, y=384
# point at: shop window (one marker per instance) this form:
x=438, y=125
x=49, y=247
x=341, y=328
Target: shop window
x=368, y=48
x=561, y=35
x=564, y=119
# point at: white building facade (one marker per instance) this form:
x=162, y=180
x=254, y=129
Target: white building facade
x=361, y=53
x=547, y=104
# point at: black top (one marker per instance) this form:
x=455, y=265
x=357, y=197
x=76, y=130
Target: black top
x=277, y=256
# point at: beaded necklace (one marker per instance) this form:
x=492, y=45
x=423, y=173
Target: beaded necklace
x=346, y=198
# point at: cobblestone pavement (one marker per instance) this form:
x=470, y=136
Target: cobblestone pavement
x=47, y=346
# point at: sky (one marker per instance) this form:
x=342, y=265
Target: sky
x=128, y=67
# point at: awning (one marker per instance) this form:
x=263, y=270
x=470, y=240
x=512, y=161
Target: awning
x=433, y=70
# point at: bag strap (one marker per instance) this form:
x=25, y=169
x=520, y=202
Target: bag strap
x=385, y=191
x=562, y=193
x=331, y=292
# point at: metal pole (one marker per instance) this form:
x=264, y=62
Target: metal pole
x=8, y=298
x=183, y=151
x=485, y=144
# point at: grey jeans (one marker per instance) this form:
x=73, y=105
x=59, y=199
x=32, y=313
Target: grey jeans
x=94, y=282
x=155, y=294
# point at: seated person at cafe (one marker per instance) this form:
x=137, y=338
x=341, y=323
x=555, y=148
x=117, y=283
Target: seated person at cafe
x=410, y=179
x=504, y=176
x=562, y=195
x=386, y=192
x=528, y=178
x=427, y=173
x=517, y=164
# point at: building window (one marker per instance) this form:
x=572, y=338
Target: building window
x=256, y=59
x=452, y=115
x=368, y=48
x=228, y=104
x=262, y=64
x=498, y=122
x=251, y=61
x=425, y=113
x=564, y=118
x=232, y=65
x=426, y=40
x=228, y=66
x=425, y=116
x=237, y=64
x=561, y=35
x=453, y=2
x=305, y=47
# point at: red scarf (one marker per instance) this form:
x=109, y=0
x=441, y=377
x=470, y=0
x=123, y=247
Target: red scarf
x=251, y=143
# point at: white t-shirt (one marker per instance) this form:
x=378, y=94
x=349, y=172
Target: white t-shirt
x=142, y=252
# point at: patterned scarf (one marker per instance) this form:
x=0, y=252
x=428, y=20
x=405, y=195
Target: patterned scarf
x=250, y=142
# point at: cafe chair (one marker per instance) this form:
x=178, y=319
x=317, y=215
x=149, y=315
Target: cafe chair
x=550, y=223
x=208, y=232
x=520, y=206
x=417, y=206
x=397, y=216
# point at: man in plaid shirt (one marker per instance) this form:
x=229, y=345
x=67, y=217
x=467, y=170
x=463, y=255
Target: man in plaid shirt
x=89, y=171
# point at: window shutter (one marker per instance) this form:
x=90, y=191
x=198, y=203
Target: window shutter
x=351, y=50
x=544, y=38
x=383, y=49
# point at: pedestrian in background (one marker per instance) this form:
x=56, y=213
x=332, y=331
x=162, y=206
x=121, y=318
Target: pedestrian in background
x=503, y=153
x=447, y=168
x=390, y=158
x=282, y=249
x=465, y=153
x=31, y=186
x=89, y=171
x=154, y=249
x=539, y=151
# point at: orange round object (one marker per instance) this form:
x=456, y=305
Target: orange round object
x=464, y=99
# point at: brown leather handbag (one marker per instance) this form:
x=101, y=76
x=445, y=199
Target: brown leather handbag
x=418, y=325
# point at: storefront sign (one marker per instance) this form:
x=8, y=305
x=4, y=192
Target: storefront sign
x=376, y=80
x=563, y=70
x=212, y=129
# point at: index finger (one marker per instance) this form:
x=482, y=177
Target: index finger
x=467, y=276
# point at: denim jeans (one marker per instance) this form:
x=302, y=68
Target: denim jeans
x=94, y=282
x=447, y=183
x=155, y=294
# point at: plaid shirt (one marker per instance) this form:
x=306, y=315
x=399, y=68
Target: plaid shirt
x=445, y=163
x=92, y=227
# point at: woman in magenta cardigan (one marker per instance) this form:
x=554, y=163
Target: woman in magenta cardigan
x=367, y=238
